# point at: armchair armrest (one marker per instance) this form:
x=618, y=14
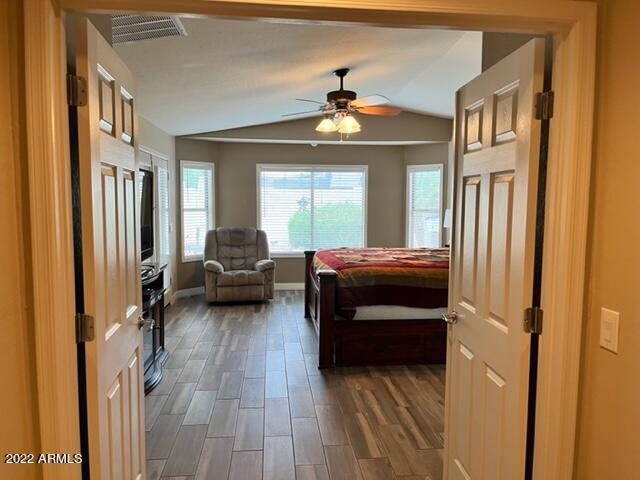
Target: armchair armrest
x=213, y=266
x=266, y=264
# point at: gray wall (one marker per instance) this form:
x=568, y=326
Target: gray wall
x=103, y=25
x=153, y=137
x=191, y=274
x=235, y=187
x=158, y=140
x=497, y=45
x=407, y=127
x=237, y=166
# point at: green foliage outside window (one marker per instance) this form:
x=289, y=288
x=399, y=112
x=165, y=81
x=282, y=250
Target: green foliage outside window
x=335, y=225
x=426, y=187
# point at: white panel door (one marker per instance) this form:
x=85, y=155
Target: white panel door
x=111, y=259
x=497, y=142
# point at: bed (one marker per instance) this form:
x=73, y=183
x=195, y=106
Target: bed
x=377, y=305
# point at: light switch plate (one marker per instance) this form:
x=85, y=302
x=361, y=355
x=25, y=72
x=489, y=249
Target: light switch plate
x=609, y=325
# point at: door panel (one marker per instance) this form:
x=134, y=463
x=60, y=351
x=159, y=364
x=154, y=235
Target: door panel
x=469, y=242
x=111, y=259
x=499, y=247
x=492, y=268
x=115, y=426
x=465, y=360
x=136, y=412
x=132, y=283
x=109, y=227
x=494, y=390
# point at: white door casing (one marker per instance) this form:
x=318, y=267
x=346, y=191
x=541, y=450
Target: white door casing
x=574, y=28
x=111, y=259
x=497, y=149
x=153, y=160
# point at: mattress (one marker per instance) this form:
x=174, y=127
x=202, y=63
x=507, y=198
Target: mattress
x=396, y=312
x=406, y=277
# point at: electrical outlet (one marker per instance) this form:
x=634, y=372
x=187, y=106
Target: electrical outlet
x=609, y=325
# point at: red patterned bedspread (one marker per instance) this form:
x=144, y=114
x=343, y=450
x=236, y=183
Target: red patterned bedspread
x=411, y=277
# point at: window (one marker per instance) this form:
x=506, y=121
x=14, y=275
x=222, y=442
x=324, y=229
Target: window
x=311, y=206
x=197, y=207
x=164, y=245
x=424, y=206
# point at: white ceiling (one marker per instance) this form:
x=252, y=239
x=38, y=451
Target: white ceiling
x=230, y=73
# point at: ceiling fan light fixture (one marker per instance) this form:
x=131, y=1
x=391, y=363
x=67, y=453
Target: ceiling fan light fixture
x=348, y=125
x=326, y=126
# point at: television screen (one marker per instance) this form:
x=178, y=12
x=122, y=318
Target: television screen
x=146, y=213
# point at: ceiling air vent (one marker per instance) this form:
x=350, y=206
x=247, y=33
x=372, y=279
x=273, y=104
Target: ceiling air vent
x=133, y=28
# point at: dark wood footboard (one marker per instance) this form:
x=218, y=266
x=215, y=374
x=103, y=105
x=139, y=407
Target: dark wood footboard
x=320, y=306
x=308, y=262
x=366, y=342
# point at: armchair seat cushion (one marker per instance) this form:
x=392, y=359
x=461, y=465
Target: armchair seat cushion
x=237, y=278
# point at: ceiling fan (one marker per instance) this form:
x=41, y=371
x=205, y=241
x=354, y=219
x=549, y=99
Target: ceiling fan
x=341, y=103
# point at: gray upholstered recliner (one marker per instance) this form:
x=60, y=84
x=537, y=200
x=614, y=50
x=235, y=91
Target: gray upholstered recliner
x=237, y=265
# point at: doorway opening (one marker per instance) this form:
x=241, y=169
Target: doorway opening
x=229, y=372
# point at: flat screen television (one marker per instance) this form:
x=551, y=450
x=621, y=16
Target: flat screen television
x=146, y=213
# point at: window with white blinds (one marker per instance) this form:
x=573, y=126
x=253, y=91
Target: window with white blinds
x=164, y=247
x=197, y=206
x=424, y=206
x=310, y=207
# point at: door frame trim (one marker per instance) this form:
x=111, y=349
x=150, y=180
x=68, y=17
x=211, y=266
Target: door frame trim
x=573, y=25
x=50, y=220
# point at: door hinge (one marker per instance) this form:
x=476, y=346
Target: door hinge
x=533, y=320
x=76, y=91
x=544, y=105
x=84, y=328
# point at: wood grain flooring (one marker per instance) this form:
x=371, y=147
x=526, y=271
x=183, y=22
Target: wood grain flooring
x=241, y=398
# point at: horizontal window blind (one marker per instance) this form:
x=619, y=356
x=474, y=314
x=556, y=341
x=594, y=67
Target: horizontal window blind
x=311, y=207
x=197, y=207
x=424, y=209
x=163, y=214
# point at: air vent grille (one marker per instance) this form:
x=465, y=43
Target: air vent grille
x=133, y=28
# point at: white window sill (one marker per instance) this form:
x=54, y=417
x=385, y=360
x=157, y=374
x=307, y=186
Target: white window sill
x=192, y=259
x=287, y=255
x=273, y=255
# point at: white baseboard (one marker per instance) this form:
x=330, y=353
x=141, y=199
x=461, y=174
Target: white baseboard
x=289, y=286
x=188, y=292
x=169, y=297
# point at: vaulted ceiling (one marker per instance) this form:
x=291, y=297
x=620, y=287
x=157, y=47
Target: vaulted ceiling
x=229, y=73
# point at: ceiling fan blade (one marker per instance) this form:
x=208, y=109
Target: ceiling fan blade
x=311, y=101
x=301, y=113
x=369, y=101
x=380, y=110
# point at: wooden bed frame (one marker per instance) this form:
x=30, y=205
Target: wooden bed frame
x=366, y=342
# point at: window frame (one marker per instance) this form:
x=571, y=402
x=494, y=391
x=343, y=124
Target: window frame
x=288, y=167
x=210, y=166
x=408, y=204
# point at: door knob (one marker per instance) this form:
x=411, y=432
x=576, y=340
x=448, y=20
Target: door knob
x=450, y=318
x=143, y=323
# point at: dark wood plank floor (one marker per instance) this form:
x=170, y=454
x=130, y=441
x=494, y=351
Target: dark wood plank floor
x=241, y=398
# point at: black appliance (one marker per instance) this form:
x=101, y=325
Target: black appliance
x=146, y=213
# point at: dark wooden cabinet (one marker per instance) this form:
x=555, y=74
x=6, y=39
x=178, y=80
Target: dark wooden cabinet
x=155, y=354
